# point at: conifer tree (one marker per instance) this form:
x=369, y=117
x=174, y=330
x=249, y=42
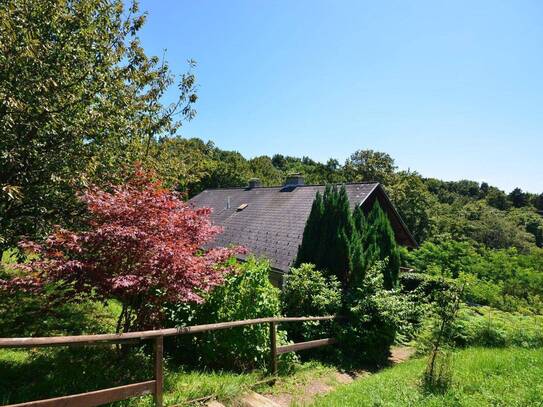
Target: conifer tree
x=358, y=246
x=309, y=248
x=381, y=245
x=328, y=236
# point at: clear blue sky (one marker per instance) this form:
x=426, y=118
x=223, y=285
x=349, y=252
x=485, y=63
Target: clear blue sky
x=451, y=89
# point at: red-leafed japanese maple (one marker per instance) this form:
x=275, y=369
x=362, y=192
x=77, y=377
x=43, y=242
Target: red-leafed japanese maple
x=143, y=246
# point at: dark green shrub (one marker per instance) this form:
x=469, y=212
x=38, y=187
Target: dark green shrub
x=307, y=292
x=331, y=240
x=381, y=244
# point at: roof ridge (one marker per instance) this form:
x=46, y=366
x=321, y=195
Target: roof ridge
x=297, y=186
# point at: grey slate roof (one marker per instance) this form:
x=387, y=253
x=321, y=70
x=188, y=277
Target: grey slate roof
x=272, y=223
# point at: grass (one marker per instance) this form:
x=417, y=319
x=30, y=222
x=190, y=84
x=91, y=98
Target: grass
x=38, y=374
x=482, y=377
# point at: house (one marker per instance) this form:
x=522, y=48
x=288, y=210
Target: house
x=270, y=221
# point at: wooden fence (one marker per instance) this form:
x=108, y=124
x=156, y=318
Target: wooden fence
x=155, y=386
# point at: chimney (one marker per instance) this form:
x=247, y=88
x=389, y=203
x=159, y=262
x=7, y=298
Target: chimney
x=254, y=183
x=294, y=180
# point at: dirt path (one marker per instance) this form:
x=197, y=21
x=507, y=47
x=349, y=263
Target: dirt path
x=306, y=394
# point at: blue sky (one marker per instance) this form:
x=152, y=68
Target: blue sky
x=451, y=89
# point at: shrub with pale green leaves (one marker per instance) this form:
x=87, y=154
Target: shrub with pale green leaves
x=489, y=327
x=245, y=294
x=307, y=292
x=374, y=316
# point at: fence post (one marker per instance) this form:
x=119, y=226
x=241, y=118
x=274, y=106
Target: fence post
x=273, y=348
x=159, y=372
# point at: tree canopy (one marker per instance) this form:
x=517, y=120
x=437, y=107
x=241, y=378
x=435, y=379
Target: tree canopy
x=80, y=99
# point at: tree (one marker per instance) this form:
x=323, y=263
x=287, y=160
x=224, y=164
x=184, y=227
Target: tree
x=336, y=234
x=382, y=245
x=263, y=169
x=142, y=246
x=308, y=252
x=369, y=165
x=306, y=291
x=79, y=99
x=359, y=246
x=182, y=163
x=518, y=198
x=230, y=169
x=330, y=237
x=538, y=202
x=413, y=201
x=497, y=199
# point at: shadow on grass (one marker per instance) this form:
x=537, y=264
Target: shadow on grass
x=29, y=375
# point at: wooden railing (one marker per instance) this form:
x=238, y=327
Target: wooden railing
x=155, y=386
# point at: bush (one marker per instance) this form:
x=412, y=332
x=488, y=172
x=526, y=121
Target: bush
x=307, y=292
x=489, y=327
x=245, y=294
x=374, y=317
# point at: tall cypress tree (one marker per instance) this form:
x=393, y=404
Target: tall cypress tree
x=309, y=248
x=328, y=235
x=358, y=246
x=340, y=248
x=381, y=245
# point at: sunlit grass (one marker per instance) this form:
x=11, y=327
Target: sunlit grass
x=482, y=377
x=38, y=374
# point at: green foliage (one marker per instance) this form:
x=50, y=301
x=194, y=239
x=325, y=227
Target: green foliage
x=369, y=165
x=80, y=100
x=309, y=250
x=504, y=279
x=48, y=313
x=307, y=292
x=437, y=377
x=359, y=246
x=531, y=221
x=518, y=198
x=413, y=201
x=381, y=245
x=51, y=311
x=330, y=239
x=374, y=315
x=245, y=294
x=344, y=244
x=489, y=327
x=52, y=372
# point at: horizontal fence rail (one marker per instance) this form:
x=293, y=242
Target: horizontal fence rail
x=155, y=386
x=48, y=341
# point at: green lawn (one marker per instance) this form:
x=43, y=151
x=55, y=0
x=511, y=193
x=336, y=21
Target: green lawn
x=32, y=375
x=482, y=377
x=27, y=375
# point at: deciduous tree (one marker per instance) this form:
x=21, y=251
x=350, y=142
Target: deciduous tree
x=142, y=246
x=79, y=98
x=369, y=165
